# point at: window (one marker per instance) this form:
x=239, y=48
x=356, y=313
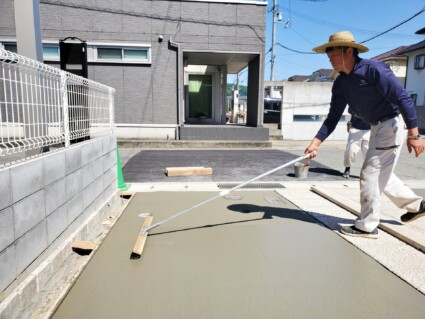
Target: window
x=130, y=53
x=122, y=54
x=420, y=61
x=414, y=98
x=11, y=47
x=136, y=54
x=50, y=51
x=109, y=54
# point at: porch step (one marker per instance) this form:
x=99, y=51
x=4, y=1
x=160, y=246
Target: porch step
x=276, y=137
x=275, y=133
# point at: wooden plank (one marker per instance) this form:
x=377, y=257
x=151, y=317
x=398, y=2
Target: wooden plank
x=404, y=232
x=188, y=171
x=83, y=247
x=141, y=239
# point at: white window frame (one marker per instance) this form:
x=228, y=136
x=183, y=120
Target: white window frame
x=45, y=44
x=419, y=62
x=123, y=47
x=93, y=58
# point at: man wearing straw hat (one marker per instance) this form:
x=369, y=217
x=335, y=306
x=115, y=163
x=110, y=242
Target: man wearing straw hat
x=373, y=94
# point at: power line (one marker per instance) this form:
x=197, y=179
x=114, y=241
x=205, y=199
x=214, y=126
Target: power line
x=396, y=26
x=374, y=37
x=293, y=50
x=358, y=30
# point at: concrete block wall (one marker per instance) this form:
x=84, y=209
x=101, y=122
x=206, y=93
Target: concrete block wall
x=43, y=197
x=308, y=98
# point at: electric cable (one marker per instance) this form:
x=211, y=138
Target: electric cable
x=396, y=26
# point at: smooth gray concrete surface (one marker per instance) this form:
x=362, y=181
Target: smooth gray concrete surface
x=256, y=256
x=393, y=253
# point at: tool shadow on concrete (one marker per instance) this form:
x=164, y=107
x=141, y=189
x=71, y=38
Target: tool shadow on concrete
x=255, y=255
x=227, y=165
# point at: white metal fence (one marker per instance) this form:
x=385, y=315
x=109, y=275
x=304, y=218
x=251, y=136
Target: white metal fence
x=41, y=106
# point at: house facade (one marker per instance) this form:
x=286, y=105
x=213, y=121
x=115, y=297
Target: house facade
x=415, y=81
x=396, y=61
x=415, y=77
x=168, y=60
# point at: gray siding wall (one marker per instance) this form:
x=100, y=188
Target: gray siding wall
x=43, y=197
x=148, y=94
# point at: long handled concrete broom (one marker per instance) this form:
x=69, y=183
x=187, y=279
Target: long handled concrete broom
x=141, y=239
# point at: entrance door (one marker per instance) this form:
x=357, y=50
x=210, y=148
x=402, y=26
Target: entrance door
x=201, y=96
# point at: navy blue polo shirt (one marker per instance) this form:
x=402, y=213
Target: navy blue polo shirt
x=372, y=92
x=358, y=123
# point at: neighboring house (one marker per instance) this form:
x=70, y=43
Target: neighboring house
x=168, y=60
x=322, y=75
x=415, y=77
x=299, y=78
x=396, y=61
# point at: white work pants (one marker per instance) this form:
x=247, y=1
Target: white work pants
x=377, y=174
x=358, y=140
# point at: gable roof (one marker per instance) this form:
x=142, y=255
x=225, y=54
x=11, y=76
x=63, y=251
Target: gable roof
x=298, y=78
x=390, y=54
x=324, y=72
x=414, y=47
x=421, y=31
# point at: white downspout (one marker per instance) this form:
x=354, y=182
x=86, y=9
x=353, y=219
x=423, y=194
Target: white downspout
x=179, y=59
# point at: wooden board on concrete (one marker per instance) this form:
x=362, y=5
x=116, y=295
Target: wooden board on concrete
x=349, y=199
x=82, y=247
x=187, y=171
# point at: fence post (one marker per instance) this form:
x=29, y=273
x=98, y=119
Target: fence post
x=64, y=91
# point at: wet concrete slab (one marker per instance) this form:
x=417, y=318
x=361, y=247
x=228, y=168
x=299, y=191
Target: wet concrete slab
x=257, y=256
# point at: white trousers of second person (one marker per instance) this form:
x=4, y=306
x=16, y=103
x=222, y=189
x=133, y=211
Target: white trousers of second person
x=377, y=174
x=358, y=140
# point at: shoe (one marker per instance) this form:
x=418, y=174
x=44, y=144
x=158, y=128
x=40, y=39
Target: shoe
x=346, y=173
x=353, y=231
x=410, y=217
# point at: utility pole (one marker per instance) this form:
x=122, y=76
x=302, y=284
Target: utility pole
x=28, y=30
x=274, y=11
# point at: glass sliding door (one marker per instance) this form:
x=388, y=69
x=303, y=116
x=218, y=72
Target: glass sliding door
x=200, y=96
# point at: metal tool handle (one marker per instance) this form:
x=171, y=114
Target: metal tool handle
x=227, y=191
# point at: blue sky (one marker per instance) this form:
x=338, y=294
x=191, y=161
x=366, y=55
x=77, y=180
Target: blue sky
x=311, y=23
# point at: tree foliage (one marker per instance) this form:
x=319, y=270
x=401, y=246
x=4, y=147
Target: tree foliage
x=242, y=89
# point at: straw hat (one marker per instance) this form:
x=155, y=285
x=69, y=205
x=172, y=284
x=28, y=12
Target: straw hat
x=341, y=39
